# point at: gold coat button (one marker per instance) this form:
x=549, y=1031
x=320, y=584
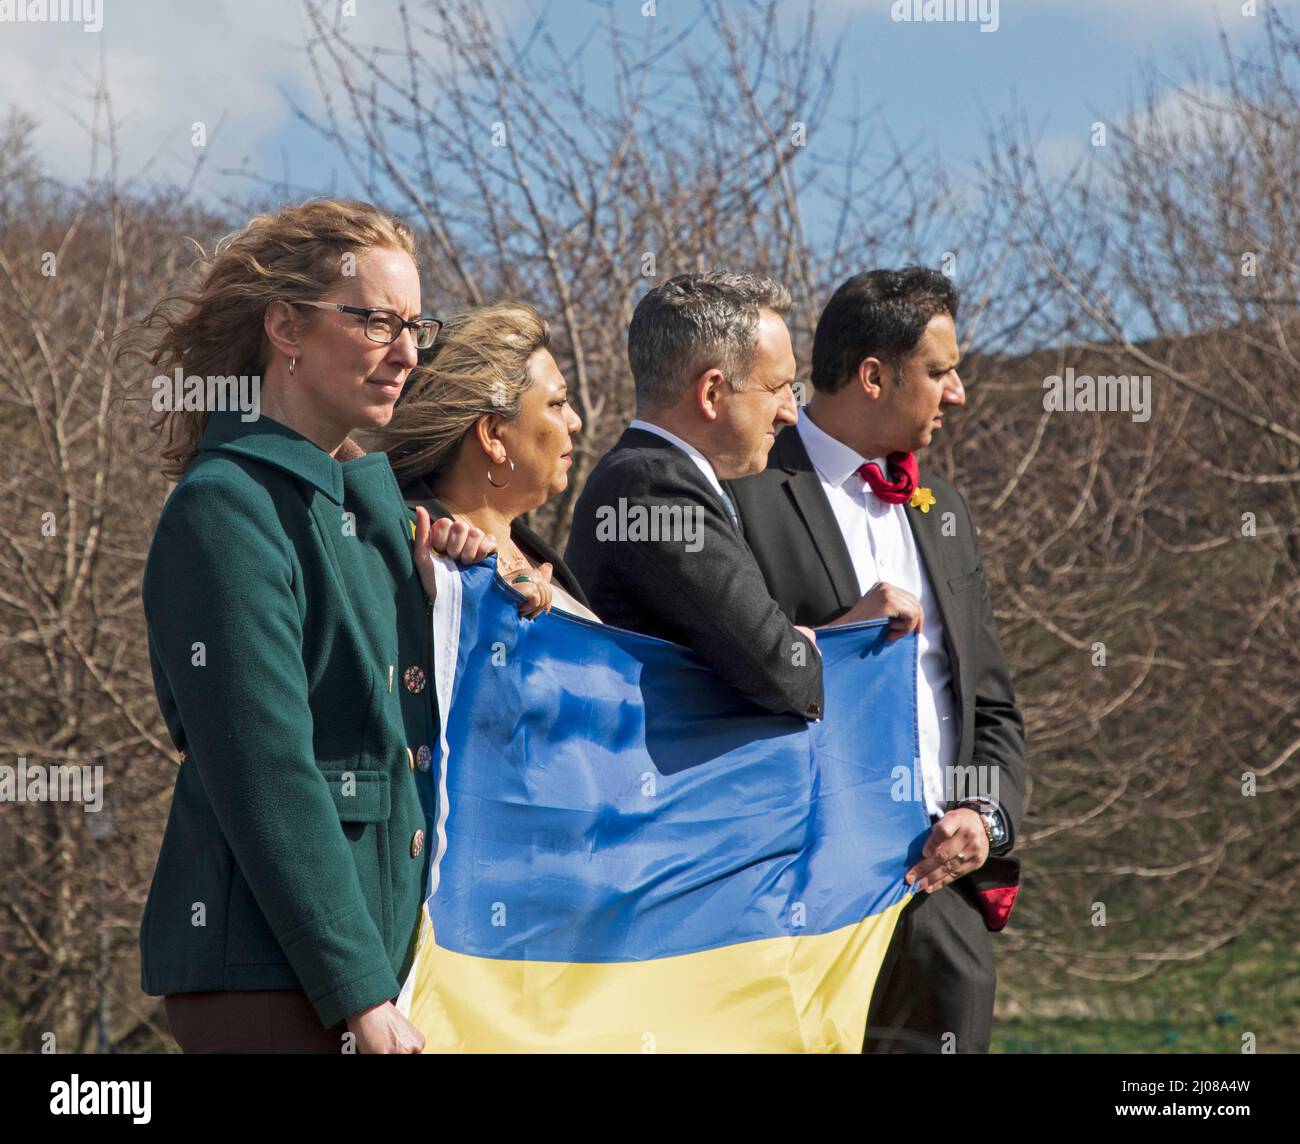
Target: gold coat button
x=417, y=843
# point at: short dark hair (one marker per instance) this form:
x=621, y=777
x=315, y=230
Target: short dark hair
x=880, y=314
x=697, y=322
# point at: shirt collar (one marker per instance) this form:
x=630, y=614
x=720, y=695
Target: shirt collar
x=705, y=465
x=834, y=461
x=271, y=443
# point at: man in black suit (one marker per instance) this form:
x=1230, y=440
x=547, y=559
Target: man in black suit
x=843, y=525
x=655, y=540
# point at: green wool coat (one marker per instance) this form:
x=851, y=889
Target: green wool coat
x=289, y=641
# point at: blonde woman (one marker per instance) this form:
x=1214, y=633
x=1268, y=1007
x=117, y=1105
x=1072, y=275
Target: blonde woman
x=485, y=435
x=280, y=595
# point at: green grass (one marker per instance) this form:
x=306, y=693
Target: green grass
x=1100, y=1035
x=1205, y=1007
x=9, y=1027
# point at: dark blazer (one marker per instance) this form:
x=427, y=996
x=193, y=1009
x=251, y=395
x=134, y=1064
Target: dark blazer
x=702, y=589
x=799, y=547
x=284, y=616
x=418, y=494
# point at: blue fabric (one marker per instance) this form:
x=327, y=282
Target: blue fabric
x=610, y=799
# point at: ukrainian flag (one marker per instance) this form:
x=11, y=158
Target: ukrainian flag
x=630, y=857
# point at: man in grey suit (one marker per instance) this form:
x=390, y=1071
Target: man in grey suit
x=655, y=541
x=843, y=523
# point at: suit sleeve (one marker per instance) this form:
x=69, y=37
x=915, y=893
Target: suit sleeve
x=220, y=574
x=710, y=588
x=999, y=728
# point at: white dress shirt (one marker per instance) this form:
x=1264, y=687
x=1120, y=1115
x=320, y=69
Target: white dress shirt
x=882, y=548
x=702, y=462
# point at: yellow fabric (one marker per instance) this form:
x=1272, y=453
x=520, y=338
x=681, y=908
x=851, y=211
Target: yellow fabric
x=805, y=993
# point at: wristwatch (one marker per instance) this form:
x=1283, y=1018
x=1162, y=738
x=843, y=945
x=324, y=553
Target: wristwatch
x=991, y=816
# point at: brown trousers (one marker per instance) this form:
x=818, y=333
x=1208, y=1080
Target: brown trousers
x=252, y=1021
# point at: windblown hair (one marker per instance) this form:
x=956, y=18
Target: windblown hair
x=479, y=366
x=214, y=327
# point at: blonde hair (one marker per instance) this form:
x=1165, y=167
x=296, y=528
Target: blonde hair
x=215, y=328
x=479, y=367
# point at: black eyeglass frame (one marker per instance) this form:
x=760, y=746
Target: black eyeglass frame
x=415, y=325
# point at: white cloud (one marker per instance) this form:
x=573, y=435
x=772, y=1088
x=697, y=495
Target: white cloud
x=166, y=68
x=1185, y=112
x=169, y=65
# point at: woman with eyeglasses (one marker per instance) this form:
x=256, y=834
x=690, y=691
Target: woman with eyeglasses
x=285, y=609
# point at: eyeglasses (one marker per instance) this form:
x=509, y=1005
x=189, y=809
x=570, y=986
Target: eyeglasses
x=385, y=326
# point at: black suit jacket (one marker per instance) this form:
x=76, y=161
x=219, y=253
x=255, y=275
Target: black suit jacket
x=701, y=590
x=799, y=547
x=417, y=492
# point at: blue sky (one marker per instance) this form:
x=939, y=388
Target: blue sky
x=170, y=63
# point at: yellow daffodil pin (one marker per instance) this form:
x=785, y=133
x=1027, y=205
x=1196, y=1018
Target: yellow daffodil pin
x=922, y=498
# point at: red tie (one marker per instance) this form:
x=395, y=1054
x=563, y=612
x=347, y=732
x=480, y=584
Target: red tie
x=904, y=474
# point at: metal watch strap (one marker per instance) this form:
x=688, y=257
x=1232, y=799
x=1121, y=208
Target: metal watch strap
x=988, y=815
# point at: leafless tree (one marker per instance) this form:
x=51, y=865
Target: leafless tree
x=1164, y=781
x=81, y=499
x=528, y=181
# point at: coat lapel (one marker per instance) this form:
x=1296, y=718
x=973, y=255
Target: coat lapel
x=930, y=543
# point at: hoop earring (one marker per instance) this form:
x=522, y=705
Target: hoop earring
x=293, y=361
x=510, y=478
